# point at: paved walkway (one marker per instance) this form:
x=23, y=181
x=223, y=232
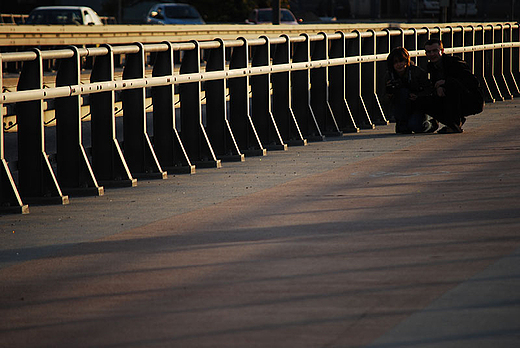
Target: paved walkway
x=369, y=240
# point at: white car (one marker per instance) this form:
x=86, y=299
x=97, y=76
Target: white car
x=62, y=15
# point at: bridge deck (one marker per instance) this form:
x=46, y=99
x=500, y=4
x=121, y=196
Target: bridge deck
x=369, y=239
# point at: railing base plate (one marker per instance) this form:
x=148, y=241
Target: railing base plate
x=156, y=175
x=181, y=169
x=282, y=147
x=119, y=183
x=351, y=130
x=315, y=138
x=333, y=134
x=299, y=142
x=56, y=200
x=208, y=164
x=233, y=158
x=257, y=152
x=86, y=191
x=24, y=209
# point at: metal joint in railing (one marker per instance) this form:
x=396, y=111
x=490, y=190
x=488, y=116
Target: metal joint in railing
x=282, y=111
x=261, y=100
x=301, y=89
x=355, y=84
x=37, y=181
x=10, y=199
x=168, y=145
x=320, y=105
x=337, y=84
x=192, y=129
x=218, y=128
x=75, y=174
x=240, y=118
x=108, y=162
x=137, y=145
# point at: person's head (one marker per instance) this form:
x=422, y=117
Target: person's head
x=434, y=50
x=398, y=60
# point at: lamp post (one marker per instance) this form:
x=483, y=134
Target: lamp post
x=276, y=11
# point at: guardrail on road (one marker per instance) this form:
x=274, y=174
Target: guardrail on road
x=234, y=98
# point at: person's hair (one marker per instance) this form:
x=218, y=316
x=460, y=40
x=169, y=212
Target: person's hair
x=434, y=41
x=400, y=54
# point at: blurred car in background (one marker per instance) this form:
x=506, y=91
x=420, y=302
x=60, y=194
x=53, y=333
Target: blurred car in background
x=265, y=15
x=463, y=8
x=173, y=14
x=430, y=6
x=64, y=15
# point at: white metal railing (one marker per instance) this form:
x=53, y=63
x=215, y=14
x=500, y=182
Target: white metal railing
x=211, y=101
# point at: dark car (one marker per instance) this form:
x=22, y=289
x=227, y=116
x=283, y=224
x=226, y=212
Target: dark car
x=173, y=14
x=265, y=15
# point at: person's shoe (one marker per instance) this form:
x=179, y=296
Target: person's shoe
x=449, y=130
x=434, y=125
x=402, y=130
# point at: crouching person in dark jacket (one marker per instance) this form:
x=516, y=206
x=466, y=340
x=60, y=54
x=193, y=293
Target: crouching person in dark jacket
x=406, y=85
x=457, y=91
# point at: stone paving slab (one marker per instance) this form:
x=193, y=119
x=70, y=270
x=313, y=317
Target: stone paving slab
x=371, y=239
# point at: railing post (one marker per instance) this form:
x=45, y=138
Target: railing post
x=422, y=61
x=458, y=39
x=108, y=162
x=138, y=149
x=282, y=102
x=450, y=42
x=75, y=174
x=508, y=62
x=337, y=90
x=410, y=42
x=394, y=40
x=354, y=85
x=499, y=64
x=166, y=139
x=489, y=64
x=37, y=181
x=10, y=200
x=301, y=91
x=239, y=107
x=369, y=85
x=217, y=124
x=385, y=46
x=193, y=134
x=469, y=41
x=320, y=90
x=480, y=64
x=444, y=37
x=261, y=100
x=515, y=55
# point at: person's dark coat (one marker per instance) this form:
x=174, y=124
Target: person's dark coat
x=414, y=79
x=458, y=76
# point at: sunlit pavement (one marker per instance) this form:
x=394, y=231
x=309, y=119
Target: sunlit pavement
x=372, y=239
